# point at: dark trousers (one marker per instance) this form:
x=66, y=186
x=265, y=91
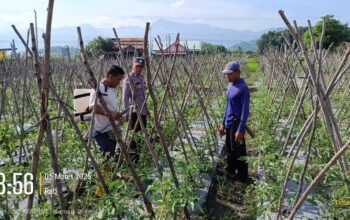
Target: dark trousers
x=234, y=151
x=135, y=145
x=106, y=144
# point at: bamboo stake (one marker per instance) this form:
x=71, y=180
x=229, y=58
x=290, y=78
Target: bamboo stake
x=318, y=178
x=155, y=112
x=117, y=134
x=36, y=153
x=23, y=41
x=329, y=121
x=301, y=135
x=181, y=118
x=205, y=114
x=313, y=116
x=302, y=174
x=44, y=110
x=139, y=120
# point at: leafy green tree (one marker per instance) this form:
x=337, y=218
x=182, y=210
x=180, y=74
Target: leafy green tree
x=98, y=46
x=335, y=32
x=213, y=49
x=275, y=39
x=269, y=39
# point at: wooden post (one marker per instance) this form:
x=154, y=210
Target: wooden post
x=117, y=134
x=318, y=178
x=155, y=112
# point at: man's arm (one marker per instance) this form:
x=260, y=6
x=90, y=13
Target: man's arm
x=126, y=94
x=222, y=126
x=245, y=110
x=126, y=97
x=225, y=114
x=100, y=111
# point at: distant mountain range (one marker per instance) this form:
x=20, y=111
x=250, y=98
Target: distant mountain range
x=245, y=45
x=167, y=30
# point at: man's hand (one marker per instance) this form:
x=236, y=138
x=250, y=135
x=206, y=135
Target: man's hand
x=116, y=116
x=239, y=137
x=126, y=117
x=222, y=130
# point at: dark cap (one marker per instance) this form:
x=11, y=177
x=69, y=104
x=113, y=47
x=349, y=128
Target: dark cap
x=230, y=67
x=139, y=61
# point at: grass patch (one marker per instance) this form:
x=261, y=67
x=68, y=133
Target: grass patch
x=252, y=65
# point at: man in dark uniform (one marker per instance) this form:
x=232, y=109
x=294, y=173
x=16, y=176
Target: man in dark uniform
x=235, y=119
x=137, y=98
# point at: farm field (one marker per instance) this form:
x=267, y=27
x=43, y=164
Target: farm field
x=297, y=143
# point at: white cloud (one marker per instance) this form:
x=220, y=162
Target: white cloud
x=101, y=21
x=20, y=19
x=234, y=14
x=177, y=4
x=199, y=21
x=108, y=22
x=129, y=22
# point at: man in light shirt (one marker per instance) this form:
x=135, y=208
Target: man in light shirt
x=102, y=130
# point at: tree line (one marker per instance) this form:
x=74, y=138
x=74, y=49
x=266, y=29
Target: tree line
x=99, y=45
x=336, y=33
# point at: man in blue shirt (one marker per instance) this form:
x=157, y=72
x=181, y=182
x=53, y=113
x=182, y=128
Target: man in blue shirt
x=235, y=119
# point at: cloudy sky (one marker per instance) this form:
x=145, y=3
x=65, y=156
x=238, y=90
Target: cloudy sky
x=252, y=15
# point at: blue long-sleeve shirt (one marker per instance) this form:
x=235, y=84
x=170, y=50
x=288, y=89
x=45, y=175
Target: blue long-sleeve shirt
x=237, y=104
